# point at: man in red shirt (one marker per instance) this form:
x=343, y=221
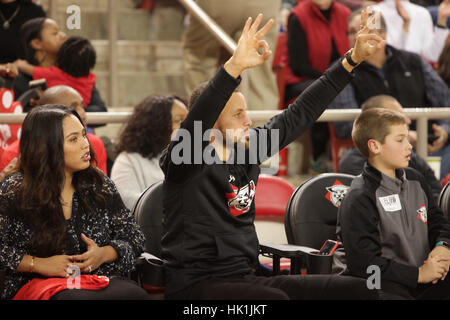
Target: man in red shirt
x=69, y=97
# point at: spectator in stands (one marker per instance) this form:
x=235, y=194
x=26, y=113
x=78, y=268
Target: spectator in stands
x=146, y=134
x=13, y=14
x=59, y=213
x=316, y=37
x=403, y=75
x=43, y=39
x=410, y=27
x=389, y=219
x=352, y=162
x=69, y=97
x=201, y=50
x=74, y=61
x=443, y=68
x=209, y=242
x=433, y=8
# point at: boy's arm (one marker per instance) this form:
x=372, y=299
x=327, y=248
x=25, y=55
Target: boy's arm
x=25, y=67
x=359, y=221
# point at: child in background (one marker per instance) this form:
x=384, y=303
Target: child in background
x=389, y=217
x=74, y=62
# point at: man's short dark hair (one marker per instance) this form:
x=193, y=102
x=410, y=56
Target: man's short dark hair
x=197, y=93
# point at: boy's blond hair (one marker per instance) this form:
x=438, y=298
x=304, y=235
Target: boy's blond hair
x=374, y=124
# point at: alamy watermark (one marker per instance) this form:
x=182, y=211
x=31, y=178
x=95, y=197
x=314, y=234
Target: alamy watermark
x=246, y=146
x=374, y=279
x=73, y=21
x=74, y=280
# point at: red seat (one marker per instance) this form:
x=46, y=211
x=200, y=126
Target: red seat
x=271, y=196
x=338, y=146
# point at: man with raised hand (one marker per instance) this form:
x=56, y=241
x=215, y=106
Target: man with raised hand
x=209, y=242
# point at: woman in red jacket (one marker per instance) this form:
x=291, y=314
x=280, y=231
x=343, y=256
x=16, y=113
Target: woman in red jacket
x=317, y=36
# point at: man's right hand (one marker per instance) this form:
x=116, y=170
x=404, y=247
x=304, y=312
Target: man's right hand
x=367, y=43
x=247, y=53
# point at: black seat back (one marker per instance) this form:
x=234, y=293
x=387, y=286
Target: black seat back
x=148, y=212
x=311, y=212
x=444, y=200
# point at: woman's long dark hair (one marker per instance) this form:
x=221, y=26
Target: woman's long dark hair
x=42, y=165
x=149, y=128
x=31, y=30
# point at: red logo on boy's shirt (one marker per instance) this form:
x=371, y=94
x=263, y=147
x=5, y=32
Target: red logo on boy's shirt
x=240, y=200
x=336, y=193
x=422, y=213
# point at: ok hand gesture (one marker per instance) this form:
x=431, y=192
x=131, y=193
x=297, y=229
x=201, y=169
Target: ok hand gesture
x=367, y=42
x=248, y=51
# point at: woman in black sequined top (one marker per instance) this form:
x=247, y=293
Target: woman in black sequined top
x=57, y=210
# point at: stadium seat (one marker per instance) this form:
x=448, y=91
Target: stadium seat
x=148, y=212
x=444, y=200
x=271, y=197
x=310, y=218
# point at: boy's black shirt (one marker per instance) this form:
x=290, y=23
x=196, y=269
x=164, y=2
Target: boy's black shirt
x=209, y=209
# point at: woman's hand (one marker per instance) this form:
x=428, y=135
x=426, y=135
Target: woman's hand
x=251, y=49
x=94, y=257
x=55, y=266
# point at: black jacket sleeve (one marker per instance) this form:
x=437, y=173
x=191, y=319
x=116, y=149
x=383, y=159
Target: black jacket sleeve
x=438, y=225
x=422, y=166
x=301, y=115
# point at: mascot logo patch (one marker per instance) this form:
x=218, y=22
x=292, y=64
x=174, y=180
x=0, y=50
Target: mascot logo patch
x=422, y=213
x=336, y=193
x=240, y=200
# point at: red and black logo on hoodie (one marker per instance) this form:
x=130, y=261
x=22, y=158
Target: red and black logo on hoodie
x=240, y=200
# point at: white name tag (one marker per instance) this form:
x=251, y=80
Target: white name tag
x=391, y=203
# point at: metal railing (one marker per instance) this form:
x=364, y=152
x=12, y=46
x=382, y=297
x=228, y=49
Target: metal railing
x=209, y=24
x=218, y=33
x=422, y=115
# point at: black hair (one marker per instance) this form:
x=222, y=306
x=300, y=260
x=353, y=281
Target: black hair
x=42, y=164
x=148, y=130
x=76, y=57
x=31, y=30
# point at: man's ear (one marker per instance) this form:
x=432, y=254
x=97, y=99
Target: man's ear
x=374, y=146
x=36, y=44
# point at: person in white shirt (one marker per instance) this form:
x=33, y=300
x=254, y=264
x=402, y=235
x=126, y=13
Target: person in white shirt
x=410, y=27
x=146, y=133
